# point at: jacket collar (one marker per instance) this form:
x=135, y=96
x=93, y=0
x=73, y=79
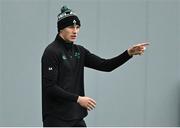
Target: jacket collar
x=61, y=41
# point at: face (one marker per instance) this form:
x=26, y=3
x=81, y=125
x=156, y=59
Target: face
x=70, y=33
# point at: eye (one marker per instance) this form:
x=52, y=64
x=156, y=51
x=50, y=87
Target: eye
x=74, y=27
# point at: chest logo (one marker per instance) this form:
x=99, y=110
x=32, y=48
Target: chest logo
x=77, y=55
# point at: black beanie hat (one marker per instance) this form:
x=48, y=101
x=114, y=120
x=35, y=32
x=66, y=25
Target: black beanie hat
x=67, y=18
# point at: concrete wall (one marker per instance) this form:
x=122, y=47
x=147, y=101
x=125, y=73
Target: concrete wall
x=0, y=61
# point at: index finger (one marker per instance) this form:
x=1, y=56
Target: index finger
x=144, y=44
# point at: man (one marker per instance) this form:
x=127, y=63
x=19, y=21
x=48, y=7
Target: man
x=63, y=99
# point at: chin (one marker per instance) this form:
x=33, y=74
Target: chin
x=73, y=40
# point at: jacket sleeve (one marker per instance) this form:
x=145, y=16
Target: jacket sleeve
x=50, y=70
x=95, y=62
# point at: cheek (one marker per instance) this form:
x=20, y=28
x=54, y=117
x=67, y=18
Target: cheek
x=67, y=34
x=78, y=31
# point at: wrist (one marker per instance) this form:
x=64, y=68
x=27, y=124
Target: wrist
x=129, y=52
x=78, y=99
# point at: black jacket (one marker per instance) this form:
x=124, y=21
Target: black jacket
x=63, y=77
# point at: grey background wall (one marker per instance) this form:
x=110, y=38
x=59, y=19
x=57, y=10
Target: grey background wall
x=0, y=63
x=143, y=92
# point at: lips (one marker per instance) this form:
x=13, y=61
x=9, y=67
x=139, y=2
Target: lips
x=74, y=37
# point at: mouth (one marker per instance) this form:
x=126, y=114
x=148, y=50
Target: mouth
x=73, y=37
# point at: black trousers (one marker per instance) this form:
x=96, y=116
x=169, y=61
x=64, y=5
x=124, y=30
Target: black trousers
x=54, y=122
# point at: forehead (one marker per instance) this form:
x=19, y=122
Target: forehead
x=69, y=28
x=73, y=26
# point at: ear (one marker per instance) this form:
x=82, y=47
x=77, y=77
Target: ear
x=60, y=31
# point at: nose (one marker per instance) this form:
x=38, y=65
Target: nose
x=75, y=30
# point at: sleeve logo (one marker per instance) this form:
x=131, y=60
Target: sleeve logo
x=50, y=68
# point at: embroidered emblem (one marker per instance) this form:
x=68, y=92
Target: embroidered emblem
x=64, y=57
x=77, y=55
x=50, y=68
x=74, y=22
